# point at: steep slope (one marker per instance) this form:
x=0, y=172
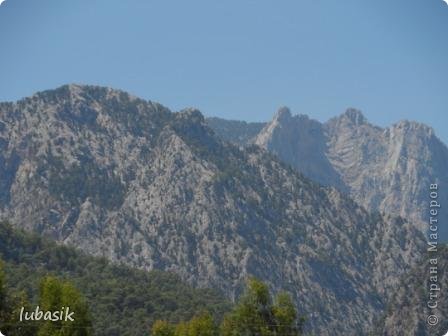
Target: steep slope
x=390, y=169
x=237, y=132
x=300, y=141
x=129, y=180
x=387, y=170
x=122, y=301
x=408, y=311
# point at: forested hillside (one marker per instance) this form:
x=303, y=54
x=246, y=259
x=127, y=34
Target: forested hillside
x=121, y=300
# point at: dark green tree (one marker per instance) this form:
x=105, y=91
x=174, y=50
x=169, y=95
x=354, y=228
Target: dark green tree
x=257, y=315
x=10, y=306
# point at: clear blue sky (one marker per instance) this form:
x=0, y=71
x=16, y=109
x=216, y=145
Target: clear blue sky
x=238, y=59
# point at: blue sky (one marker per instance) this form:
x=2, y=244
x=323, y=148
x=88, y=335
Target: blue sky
x=238, y=59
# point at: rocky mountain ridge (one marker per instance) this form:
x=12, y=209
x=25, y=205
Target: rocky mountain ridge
x=124, y=178
x=383, y=169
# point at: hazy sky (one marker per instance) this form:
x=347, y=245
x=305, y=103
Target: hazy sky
x=238, y=59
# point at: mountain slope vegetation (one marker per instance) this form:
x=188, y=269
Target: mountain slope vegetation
x=121, y=300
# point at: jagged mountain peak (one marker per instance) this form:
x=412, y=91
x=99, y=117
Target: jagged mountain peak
x=193, y=114
x=352, y=120
x=414, y=127
x=354, y=115
x=286, y=120
x=283, y=114
x=285, y=117
x=303, y=140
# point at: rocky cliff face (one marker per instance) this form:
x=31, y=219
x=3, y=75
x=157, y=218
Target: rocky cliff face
x=127, y=179
x=383, y=169
x=301, y=142
x=390, y=169
x=408, y=312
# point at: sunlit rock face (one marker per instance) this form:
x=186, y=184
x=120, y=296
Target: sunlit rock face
x=383, y=169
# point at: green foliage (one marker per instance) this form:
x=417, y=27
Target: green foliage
x=10, y=305
x=56, y=295
x=200, y=325
x=254, y=315
x=162, y=328
x=122, y=301
x=285, y=315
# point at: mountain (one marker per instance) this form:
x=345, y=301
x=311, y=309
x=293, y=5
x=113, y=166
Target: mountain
x=122, y=301
x=129, y=180
x=383, y=169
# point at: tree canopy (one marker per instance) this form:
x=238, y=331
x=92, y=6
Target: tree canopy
x=256, y=314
